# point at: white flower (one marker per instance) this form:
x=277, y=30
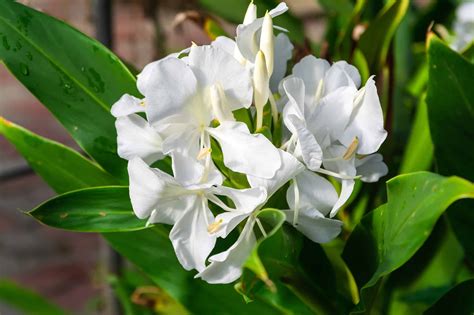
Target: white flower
x=463, y=26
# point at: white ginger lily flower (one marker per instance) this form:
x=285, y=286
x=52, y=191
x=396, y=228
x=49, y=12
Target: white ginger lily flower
x=163, y=199
x=463, y=26
x=330, y=121
x=185, y=95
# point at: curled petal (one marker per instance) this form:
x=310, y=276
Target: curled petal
x=127, y=105
x=315, y=226
x=371, y=168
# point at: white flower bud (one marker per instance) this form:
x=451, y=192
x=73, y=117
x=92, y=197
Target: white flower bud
x=267, y=42
x=261, y=83
x=251, y=14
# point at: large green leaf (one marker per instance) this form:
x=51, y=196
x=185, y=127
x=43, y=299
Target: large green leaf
x=152, y=252
x=375, y=41
x=74, y=76
x=459, y=300
x=61, y=167
x=451, y=113
x=388, y=236
x=98, y=209
x=27, y=301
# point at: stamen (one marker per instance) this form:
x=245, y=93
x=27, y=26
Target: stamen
x=260, y=226
x=319, y=91
x=337, y=175
x=203, y=153
x=214, y=226
x=297, y=203
x=351, y=149
x=142, y=103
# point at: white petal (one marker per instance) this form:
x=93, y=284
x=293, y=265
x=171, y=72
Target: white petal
x=331, y=116
x=152, y=189
x=225, y=43
x=312, y=71
x=226, y=267
x=247, y=153
x=283, y=53
x=294, y=89
x=341, y=74
x=245, y=200
x=307, y=145
x=136, y=138
x=371, y=168
x=191, y=241
x=366, y=122
x=315, y=226
x=290, y=167
x=213, y=65
x=168, y=85
x=315, y=192
x=127, y=105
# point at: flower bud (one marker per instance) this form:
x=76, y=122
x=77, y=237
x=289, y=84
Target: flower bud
x=251, y=14
x=260, y=86
x=267, y=42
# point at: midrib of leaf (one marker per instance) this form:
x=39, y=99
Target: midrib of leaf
x=58, y=67
x=458, y=85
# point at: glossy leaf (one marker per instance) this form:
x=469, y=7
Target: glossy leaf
x=99, y=209
x=451, y=113
x=375, y=41
x=152, y=252
x=74, y=76
x=459, y=300
x=61, y=167
x=388, y=236
x=27, y=301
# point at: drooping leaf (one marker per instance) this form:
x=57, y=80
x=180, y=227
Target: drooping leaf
x=375, y=41
x=459, y=300
x=450, y=102
x=98, y=209
x=27, y=301
x=74, y=76
x=61, y=167
x=388, y=236
x=152, y=252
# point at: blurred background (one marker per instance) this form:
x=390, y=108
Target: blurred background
x=70, y=268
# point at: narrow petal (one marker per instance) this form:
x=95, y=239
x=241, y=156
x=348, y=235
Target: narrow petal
x=168, y=85
x=136, y=138
x=283, y=53
x=213, y=65
x=127, y=105
x=226, y=267
x=307, y=145
x=191, y=241
x=247, y=153
x=151, y=189
x=315, y=192
x=371, y=168
x=315, y=226
x=290, y=167
x=366, y=122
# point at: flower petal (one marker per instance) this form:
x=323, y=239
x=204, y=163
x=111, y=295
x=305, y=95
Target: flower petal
x=191, y=241
x=213, y=65
x=247, y=153
x=127, y=105
x=371, y=168
x=136, y=138
x=315, y=226
x=226, y=267
x=283, y=52
x=312, y=71
x=366, y=122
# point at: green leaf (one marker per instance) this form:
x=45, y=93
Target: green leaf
x=29, y=302
x=99, y=209
x=418, y=154
x=389, y=236
x=457, y=301
x=375, y=41
x=152, y=252
x=61, y=167
x=451, y=113
x=74, y=76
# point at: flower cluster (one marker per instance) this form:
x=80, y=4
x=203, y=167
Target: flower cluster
x=331, y=127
